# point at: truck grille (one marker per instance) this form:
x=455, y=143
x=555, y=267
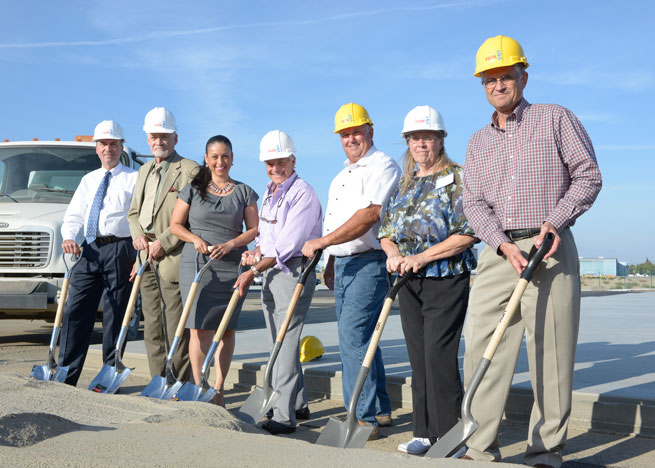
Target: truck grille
x=21, y=249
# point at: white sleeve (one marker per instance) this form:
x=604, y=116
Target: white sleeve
x=384, y=179
x=75, y=213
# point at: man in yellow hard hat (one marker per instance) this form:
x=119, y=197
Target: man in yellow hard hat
x=531, y=171
x=356, y=268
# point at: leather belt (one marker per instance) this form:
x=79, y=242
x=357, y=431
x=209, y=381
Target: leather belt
x=109, y=239
x=151, y=237
x=520, y=234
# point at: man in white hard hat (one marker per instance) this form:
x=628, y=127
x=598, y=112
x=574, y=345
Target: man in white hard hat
x=356, y=268
x=98, y=212
x=529, y=172
x=157, y=186
x=290, y=215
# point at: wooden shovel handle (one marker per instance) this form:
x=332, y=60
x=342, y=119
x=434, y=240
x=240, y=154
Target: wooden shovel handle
x=61, y=305
x=292, y=306
x=227, y=315
x=132, y=301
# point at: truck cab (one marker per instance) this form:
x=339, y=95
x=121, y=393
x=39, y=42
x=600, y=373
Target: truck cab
x=37, y=181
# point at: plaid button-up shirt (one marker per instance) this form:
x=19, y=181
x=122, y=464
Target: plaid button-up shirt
x=540, y=167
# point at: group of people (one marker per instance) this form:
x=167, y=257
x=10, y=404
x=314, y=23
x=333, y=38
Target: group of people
x=529, y=172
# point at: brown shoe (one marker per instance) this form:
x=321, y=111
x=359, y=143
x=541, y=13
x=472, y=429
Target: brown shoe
x=375, y=433
x=465, y=457
x=384, y=420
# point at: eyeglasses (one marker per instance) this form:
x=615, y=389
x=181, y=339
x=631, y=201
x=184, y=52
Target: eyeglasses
x=491, y=83
x=425, y=138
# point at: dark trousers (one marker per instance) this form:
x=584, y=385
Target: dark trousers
x=432, y=312
x=103, y=268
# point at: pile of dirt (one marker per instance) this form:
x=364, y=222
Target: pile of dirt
x=45, y=424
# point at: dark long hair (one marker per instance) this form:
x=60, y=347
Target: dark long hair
x=203, y=176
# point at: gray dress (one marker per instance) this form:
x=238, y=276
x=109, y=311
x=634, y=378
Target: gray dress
x=217, y=220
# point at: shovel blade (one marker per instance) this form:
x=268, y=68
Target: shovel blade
x=47, y=373
x=454, y=439
x=208, y=395
x=109, y=379
x=345, y=434
x=258, y=403
x=189, y=392
x=171, y=393
x=156, y=388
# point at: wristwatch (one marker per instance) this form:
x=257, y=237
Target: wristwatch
x=255, y=271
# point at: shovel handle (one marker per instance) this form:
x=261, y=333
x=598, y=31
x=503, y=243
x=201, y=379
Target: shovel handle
x=227, y=315
x=63, y=295
x=135, y=293
x=300, y=285
x=181, y=325
x=382, y=319
x=534, y=259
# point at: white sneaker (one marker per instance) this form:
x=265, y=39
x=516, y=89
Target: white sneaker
x=415, y=446
x=460, y=453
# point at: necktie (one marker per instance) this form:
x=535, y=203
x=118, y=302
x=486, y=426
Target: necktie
x=149, y=197
x=96, y=206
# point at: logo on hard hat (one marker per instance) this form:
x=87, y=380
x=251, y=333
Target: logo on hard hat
x=348, y=118
x=492, y=58
x=162, y=124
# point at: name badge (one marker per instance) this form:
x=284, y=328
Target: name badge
x=446, y=180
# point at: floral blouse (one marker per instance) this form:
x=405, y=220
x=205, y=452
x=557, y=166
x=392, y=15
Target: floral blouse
x=427, y=213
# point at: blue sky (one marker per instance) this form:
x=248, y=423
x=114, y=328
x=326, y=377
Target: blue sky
x=244, y=68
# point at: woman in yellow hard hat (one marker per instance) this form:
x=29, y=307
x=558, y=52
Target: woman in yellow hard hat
x=424, y=230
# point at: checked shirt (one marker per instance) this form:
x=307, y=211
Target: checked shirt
x=541, y=167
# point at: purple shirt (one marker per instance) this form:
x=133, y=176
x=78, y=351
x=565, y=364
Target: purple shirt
x=288, y=219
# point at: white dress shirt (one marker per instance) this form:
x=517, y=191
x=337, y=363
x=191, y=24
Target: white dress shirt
x=113, y=215
x=369, y=181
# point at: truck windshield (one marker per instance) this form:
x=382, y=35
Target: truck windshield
x=44, y=174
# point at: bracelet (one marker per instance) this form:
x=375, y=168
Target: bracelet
x=255, y=271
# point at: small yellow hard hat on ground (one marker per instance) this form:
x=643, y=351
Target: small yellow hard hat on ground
x=351, y=115
x=499, y=51
x=310, y=348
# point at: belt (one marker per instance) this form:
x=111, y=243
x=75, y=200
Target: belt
x=109, y=239
x=358, y=253
x=151, y=237
x=519, y=234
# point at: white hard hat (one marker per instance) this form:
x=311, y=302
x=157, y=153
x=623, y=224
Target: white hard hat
x=108, y=130
x=423, y=118
x=160, y=120
x=276, y=144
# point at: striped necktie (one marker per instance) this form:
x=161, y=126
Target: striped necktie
x=96, y=206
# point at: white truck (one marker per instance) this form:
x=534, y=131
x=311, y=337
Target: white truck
x=37, y=181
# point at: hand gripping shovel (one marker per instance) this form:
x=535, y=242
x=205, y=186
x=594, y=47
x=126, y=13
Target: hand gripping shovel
x=165, y=388
x=110, y=378
x=456, y=437
x=205, y=392
x=51, y=371
x=349, y=433
x=263, y=399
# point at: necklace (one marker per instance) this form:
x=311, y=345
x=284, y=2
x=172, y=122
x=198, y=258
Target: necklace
x=229, y=186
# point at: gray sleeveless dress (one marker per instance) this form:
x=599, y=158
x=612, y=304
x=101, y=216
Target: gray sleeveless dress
x=217, y=219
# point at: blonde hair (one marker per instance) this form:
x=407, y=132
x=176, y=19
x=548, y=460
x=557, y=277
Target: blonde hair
x=409, y=165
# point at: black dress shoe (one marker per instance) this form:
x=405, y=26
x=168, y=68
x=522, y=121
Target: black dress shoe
x=303, y=413
x=276, y=428
x=300, y=414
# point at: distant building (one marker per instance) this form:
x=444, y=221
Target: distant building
x=602, y=266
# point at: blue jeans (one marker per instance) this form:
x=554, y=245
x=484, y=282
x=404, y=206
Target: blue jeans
x=359, y=289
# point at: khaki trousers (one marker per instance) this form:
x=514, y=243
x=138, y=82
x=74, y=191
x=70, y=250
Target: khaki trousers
x=549, y=317
x=152, y=304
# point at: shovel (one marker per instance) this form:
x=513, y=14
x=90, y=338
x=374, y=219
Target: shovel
x=263, y=399
x=205, y=392
x=165, y=388
x=456, y=437
x=51, y=371
x=110, y=378
x=349, y=433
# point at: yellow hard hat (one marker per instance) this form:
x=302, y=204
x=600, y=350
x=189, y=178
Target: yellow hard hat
x=310, y=348
x=351, y=115
x=499, y=51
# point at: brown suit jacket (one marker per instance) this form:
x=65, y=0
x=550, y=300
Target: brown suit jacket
x=179, y=174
